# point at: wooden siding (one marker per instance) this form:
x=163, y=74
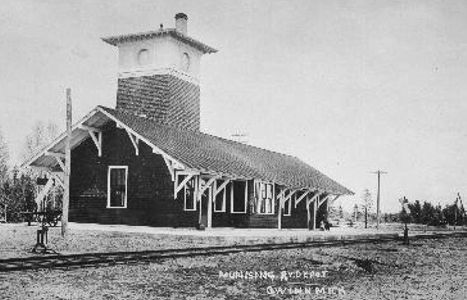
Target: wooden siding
x=150, y=198
x=150, y=188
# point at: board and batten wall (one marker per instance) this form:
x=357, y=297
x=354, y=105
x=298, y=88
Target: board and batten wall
x=150, y=199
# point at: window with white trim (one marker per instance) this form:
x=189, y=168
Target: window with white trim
x=287, y=207
x=117, y=187
x=264, y=196
x=239, y=197
x=221, y=197
x=189, y=199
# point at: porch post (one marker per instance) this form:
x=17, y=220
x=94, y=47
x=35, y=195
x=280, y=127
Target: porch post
x=279, y=216
x=210, y=200
x=315, y=212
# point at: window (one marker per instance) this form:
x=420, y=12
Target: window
x=185, y=62
x=189, y=198
x=117, y=186
x=143, y=57
x=219, y=202
x=239, y=196
x=287, y=208
x=264, y=195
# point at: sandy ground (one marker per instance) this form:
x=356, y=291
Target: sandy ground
x=426, y=269
x=17, y=240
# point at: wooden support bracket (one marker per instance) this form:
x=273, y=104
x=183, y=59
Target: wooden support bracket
x=60, y=162
x=281, y=195
x=59, y=180
x=96, y=137
x=335, y=198
x=306, y=193
x=323, y=200
x=55, y=154
x=220, y=188
x=180, y=186
x=288, y=197
x=134, y=140
x=170, y=167
x=206, y=186
x=314, y=197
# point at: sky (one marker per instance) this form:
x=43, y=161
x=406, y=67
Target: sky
x=349, y=87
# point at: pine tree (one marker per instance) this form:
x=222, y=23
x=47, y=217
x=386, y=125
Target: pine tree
x=416, y=211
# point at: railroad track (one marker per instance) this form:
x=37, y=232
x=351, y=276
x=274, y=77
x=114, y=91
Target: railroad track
x=112, y=258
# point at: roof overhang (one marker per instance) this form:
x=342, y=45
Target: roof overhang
x=95, y=120
x=119, y=39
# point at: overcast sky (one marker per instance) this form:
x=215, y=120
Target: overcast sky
x=347, y=86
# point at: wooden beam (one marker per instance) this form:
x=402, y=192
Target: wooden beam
x=182, y=184
x=279, y=216
x=323, y=200
x=170, y=167
x=306, y=193
x=308, y=214
x=206, y=186
x=220, y=188
x=318, y=193
x=97, y=139
x=187, y=172
x=67, y=169
x=60, y=162
x=315, y=212
x=90, y=128
x=59, y=180
x=286, y=198
x=281, y=194
x=335, y=198
x=315, y=202
x=55, y=154
x=209, y=214
x=134, y=140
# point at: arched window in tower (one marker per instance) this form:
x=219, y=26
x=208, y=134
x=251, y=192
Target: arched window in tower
x=185, y=62
x=143, y=57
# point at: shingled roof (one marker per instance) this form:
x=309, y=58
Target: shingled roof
x=206, y=152
x=199, y=151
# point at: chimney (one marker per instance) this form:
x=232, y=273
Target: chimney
x=181, y=21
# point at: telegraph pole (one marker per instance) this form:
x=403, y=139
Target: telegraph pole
x=66, y=193
x=378, y=197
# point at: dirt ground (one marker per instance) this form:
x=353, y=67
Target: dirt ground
x=17, y=240
x=427, y=269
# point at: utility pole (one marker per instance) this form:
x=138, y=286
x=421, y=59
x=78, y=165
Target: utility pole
x=378, y=197
x=66, y=193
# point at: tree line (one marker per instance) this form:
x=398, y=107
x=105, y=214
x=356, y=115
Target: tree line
x=434, y=215
x=426, y=213
x=18, y=187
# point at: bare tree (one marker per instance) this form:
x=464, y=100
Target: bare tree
x=4, y=158
x=367, y=204
x=41, y=135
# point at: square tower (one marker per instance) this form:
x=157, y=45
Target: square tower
x=159, y=74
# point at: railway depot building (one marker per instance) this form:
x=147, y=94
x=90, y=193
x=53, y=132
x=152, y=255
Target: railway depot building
x=146, y=162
